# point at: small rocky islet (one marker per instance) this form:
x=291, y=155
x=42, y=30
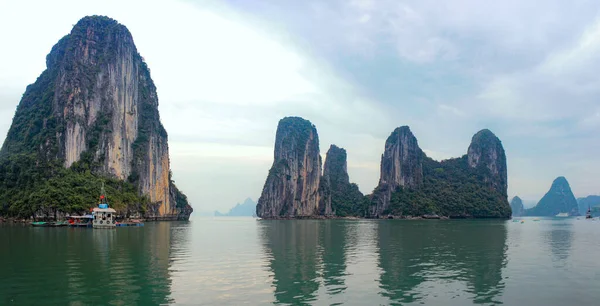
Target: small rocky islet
x=411, y=184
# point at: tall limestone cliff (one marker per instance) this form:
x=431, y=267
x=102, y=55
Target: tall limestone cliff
x=292, y=185
x=486, y=151
x=95, y=108
x=401, y=166
x=559, y=199
x=516, y=206
x=412, y=184
x=339, y=197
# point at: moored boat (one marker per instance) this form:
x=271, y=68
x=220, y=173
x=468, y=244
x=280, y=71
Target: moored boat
x=104, y=216
x=562, y=215
x=40, y=224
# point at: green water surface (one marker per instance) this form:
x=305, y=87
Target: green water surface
x=237, y=261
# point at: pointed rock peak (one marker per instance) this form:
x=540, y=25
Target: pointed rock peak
x=292, y=121
x=336, y=149
x=95, y=21
x=401, y=132
x=291, y=188
x=484, y=135
x=248, y=201
x=336, y=165
x=96, y=27
x=560, y=182
x=516, y=199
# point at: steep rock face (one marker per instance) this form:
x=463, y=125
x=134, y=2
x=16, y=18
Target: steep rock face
x=401, y=165
x=338, y=196
x=97, y=108
x=516, y=205
x=559, y=199
x=292, y=185
x=486, y=150
x=412, y=184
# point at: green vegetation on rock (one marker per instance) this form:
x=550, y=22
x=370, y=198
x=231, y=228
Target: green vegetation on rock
x=450, y=188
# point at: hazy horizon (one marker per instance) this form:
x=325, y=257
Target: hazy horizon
x=226, y=72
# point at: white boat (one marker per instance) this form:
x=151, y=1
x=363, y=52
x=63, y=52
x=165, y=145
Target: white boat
x=104, y=216
x=562, y=215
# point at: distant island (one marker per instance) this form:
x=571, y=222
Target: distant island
x=590, y=202
x=411, y=184
x=245, y=209
x=516, y=205
x=559, y=199
x=90, y=118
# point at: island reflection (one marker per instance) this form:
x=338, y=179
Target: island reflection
x=417, y=260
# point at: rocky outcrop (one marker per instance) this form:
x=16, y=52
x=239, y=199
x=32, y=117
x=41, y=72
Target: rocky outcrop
x=412, y=184
x=401, y=166
x=292, y=185
x=339, y=197
x=486, y=151
x=559, y=199
x=98, y=109
x=516, y=206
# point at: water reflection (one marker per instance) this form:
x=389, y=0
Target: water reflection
x=560, y=238
x=333, y=241
x=292, y=249
x=421, y=258
x=125, y=266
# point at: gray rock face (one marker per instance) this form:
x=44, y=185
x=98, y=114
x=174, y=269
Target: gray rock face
x=104, y=110
x=559, y=199
x=335, y=173
x=486, y=150
x=412, y=184
x=292, y=186
x=339, y=197
x=401, y=165
x=516, y=205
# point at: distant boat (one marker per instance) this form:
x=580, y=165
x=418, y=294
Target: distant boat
x=588, y=215
x=562, y=215
x=536, y=219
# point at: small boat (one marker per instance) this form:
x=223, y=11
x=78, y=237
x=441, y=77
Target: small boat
x=40, y=224
x=522, y=221
x=516, y=220
x=562, y=215
x=536, y=219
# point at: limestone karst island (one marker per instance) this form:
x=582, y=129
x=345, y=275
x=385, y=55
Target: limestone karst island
x=411, y=185
x=299, y=153
x=91, y=118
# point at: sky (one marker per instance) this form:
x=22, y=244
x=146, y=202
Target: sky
x=227, y=71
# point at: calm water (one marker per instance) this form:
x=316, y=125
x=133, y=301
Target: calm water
x=232, y=261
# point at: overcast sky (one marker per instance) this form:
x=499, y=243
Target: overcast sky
x=226, y=72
